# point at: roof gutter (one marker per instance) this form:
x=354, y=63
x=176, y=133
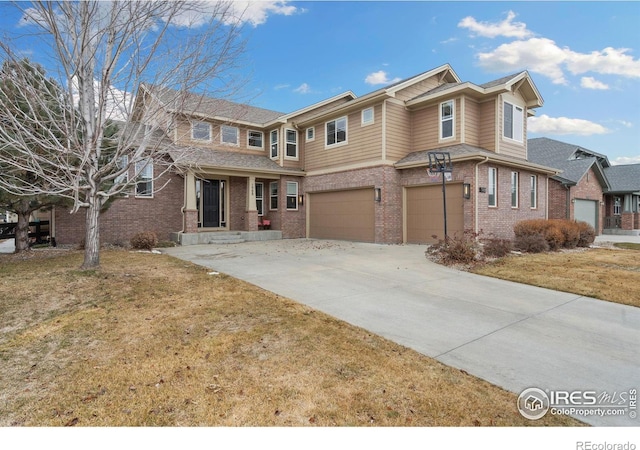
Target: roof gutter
x=484, y=158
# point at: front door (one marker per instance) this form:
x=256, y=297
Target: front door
x=210, y=203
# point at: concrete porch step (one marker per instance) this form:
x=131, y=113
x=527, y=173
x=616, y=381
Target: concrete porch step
x=225, y=237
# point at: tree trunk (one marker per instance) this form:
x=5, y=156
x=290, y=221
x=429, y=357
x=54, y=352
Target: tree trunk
x=22, y=229
x=92, y=237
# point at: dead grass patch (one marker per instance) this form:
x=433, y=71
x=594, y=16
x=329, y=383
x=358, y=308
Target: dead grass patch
x=150, y=340
x=607, y=274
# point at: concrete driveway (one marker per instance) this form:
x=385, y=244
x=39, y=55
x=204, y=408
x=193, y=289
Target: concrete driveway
x=513, y=335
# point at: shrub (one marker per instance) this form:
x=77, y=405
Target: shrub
x=531, y=243
x=570, y=232
x=587, y=234
x=554, y=237
x=459, y=249
x=144, y=241
x=497, y=248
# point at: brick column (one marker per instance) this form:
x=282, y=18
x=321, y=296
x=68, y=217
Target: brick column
x=626, y=221
x=251, y=211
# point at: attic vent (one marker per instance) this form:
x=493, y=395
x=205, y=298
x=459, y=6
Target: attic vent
x=579, y=154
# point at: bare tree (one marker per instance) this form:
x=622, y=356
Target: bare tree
x=104, y=52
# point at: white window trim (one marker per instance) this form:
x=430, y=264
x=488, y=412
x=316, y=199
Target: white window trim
x=271, y=196
x=534, y=191
x=261, y=139
x=364, y=122
x=260, y=197
x=237, y=143
x=313, y=134
x=276, y=143
x=286, y=144
x=147, y=163
x=346, y=132
x=193, y=125
x=494, y=171
x=514, y=108
x=515, y=177
x=453, y=121
x=287, y=195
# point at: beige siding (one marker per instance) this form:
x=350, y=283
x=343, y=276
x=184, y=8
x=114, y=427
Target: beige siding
x=315, y=111
x=487, y=125
x=417, y=89
x=183, y=137
x=398, y=132
x=471, y=122
x=364, y=143
x=425, y=127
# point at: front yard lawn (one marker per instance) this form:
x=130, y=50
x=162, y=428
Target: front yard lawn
x=607, y=274
x=151, y=340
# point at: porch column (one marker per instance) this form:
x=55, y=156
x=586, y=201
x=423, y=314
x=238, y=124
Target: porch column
x=251, y=216
x=190, y=207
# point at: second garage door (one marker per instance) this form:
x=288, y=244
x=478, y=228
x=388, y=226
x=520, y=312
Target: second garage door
x=424, y=213
x=345, y=215
x=586, y=211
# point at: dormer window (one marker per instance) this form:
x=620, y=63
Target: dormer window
x=513, y=126
x=447, y=119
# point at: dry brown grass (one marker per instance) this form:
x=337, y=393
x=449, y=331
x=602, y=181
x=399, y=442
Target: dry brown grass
x=150, y=340
x=607, y=274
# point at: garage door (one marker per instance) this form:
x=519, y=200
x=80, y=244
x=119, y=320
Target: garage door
x=586, y=211
x=346, y=215
x=424, y=213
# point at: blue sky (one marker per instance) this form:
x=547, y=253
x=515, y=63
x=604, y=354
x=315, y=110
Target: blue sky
x=583, y=56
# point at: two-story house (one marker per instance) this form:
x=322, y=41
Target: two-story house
x=353, y=168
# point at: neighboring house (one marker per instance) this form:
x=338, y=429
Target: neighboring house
x=352, y=168
x=589, y=188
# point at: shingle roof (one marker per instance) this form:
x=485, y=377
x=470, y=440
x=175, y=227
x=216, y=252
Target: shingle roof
x=207, y=158
x=213, y=107
x=462, y=150
x=562, y=156
x=624, y=178
x=499, y=81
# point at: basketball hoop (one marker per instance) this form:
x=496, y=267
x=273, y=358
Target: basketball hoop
x=440, y=163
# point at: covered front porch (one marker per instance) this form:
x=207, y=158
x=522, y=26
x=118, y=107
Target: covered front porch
x=622, y=214
x=223, y=205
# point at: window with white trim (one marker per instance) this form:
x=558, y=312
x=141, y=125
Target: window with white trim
x=514, y=189
x=291, y=138
x=254, y=139
x=292, y=195
x=534, y=191
x=200, y=131
x=513, y=124
x=336, y=131
x=367, y=116
x=446, y=119
x=273, y=195
x=617, y=206
x=274, y=144
x=229, y=135
x=310, y=134
x=260, y=198
x=492, y=187
x=144, y=178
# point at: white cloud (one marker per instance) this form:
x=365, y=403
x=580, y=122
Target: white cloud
x=592, y=83
x=506, y=28
x=626, y=123
x=379, y=77
x=564, y=125
x=613, y=61
x=304, y=88
x=626, y=160
x=239, y=12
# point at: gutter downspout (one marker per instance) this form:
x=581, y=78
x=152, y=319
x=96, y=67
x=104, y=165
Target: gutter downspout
x=475, y=220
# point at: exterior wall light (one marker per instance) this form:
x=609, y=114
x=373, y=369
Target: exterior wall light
x=466, y=190
x=377, y=194
x=300, y=199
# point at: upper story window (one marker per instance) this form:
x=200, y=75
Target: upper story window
x=336, y=131
x=446, y=119
x=492, y=186
x=367, y=116
x=292, y=143
x=274, y=144
x=229, y=135
x=254, y=139
x=200, y=131
x=513, y=126
x=310, y=134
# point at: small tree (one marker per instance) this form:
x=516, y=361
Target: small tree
x=104, y=52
